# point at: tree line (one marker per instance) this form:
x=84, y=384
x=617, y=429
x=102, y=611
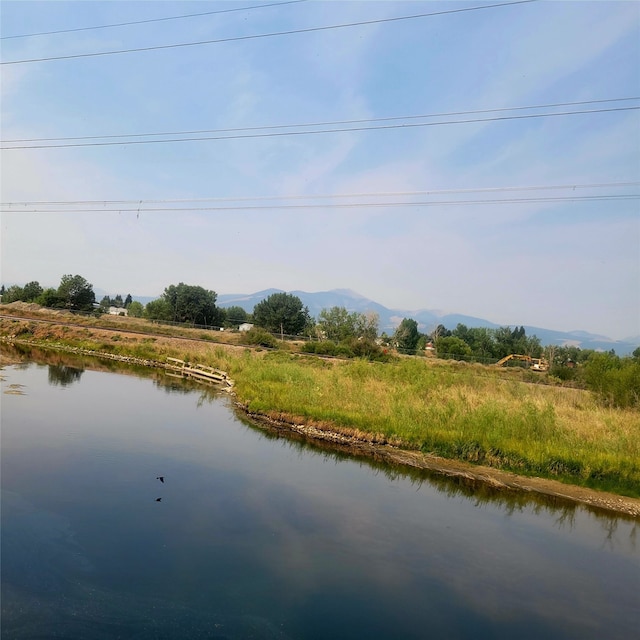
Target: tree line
x=336, y=331
x=285, y=314
x=73, y=293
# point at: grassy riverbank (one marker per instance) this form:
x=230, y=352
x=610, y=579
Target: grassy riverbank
x=474, y=413
x=455, y=411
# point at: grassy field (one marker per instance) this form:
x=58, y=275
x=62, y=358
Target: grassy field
x=474, y=413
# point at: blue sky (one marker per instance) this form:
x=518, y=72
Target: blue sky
x=562, y=264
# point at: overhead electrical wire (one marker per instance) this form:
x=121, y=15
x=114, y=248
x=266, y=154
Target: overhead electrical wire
x=342, y=205
x=348, y=205
x=322, y=124
x=408, y=125
x=150, y=20
x=375, y=194
x=269, y=35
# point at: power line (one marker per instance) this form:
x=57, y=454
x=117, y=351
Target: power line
x=376, y=194
x=409, y=125
x=150, y=20
x=350, y=205
x=322, y=124
x=269, y=35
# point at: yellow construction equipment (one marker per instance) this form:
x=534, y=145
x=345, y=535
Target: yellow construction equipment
x=537, y=364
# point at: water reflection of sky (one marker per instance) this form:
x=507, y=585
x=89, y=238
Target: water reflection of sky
x=257, y=528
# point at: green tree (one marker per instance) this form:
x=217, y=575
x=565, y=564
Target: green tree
x=615, y=380
x=422, y=344
x=515, y=341
x=31, y=291
x=235, y=316
x=13, y=294
x=282, y=313
x=158, y=309
x=135, y=309
x=192, y=304
x=406, y=336
x=481, y=342
x=117, y=301
x=337, y=324
x=479, y=339
x=127, y=301
x=566, y=354
x=503, y=342
x=50, y=298
x=533, y=346
x=597, y=370
x=439, y=332
x=310, y=329
x=367, y=325
x=77, y=293
x=452, y=346
x=463, y=332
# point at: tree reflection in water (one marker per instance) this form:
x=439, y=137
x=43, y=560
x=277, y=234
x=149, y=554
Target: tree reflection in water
x=64, y=375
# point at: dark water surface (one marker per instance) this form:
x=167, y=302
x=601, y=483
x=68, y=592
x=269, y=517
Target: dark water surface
x=259, y=537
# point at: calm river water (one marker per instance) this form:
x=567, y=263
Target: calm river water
x=252, y=536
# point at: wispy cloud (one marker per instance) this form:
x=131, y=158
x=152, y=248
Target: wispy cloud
x=561, y=265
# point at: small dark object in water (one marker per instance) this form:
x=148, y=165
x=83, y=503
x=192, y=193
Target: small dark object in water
x=161, y=478
x=158, y=499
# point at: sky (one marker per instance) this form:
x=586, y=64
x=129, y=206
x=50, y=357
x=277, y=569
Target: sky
x=395, y=190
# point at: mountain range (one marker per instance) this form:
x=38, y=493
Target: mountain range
x=427, y=319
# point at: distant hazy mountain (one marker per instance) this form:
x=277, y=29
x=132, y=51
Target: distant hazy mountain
x=427, y=319
x=582, y=339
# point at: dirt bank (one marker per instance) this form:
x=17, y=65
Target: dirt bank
x=359, y=446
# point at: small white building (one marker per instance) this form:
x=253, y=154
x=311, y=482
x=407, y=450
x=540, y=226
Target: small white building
x=245, y=326
x=118, y=311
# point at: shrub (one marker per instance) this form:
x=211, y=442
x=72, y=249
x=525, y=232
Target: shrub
x=363, y=348
x=350, y=348
x=615, y=381
x=323, y=348
x=564, y=373
x=260, y=337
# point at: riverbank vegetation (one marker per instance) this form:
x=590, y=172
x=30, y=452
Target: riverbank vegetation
x=508, y=419
x=456, y=411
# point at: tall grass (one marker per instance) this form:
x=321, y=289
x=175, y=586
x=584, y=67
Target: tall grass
x=529, y=429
